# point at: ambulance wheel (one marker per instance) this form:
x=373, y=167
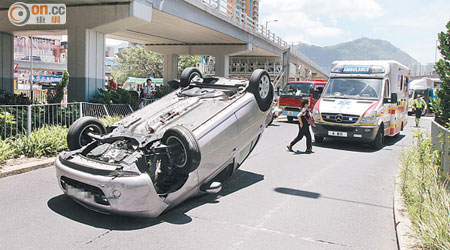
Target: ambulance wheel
x=290, y=119
x=261, y=87
x=318, y=139
x=377, y=144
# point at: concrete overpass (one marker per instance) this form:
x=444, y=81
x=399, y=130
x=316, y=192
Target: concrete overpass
x=173, y=28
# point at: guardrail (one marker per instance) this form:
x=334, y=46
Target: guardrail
x=23, y=119
x=440, y=137
x=240, y=18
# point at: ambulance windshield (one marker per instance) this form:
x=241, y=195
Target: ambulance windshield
x=353, y=88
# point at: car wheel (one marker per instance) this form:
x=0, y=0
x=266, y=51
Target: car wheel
x=290, y=119
x=184, y=149
x=77, y=136
x=187, y=75
x=318, y=139
x=377, y=144
x=261, y=87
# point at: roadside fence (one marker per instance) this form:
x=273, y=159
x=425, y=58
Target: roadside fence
x=441, y=141
x=23, y=119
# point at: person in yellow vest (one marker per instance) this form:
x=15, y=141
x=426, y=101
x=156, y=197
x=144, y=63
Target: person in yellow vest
x=418, y=106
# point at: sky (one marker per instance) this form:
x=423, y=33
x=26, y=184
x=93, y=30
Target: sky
x=411, y=25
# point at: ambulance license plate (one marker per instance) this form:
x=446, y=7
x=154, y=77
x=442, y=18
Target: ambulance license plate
x=337, y=133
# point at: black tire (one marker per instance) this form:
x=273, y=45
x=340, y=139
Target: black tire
x=271, y=121
x=183, y=140
x=377, y=143
x=318, y=139
x=290, y=119
x=77, y=136
x=187, y=75
x=261, y=87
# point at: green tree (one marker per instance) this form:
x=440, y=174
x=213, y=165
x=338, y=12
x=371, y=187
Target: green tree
x=137, y=61
x=187, y=61
x=443, y=69
x=57, y=95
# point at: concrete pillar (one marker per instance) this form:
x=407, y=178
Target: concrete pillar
x=86, y=63
x=222, y=65
x=6, y=62
x=170, y=67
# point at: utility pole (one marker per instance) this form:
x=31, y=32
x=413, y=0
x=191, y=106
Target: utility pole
x=31, y=68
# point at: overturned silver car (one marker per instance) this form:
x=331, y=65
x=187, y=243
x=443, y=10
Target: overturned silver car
x=185, y=144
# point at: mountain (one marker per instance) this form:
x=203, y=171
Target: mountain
x=359, y=49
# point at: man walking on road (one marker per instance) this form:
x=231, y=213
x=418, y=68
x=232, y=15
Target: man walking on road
x=418, y=105
x=303, y=128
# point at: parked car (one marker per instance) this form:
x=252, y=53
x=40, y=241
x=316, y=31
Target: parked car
x=27, y=58
x=183, y=145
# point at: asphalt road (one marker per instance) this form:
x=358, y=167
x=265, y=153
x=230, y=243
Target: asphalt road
x=339, y=197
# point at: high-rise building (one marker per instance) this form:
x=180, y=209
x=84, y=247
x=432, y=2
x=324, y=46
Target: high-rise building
x=250, y=7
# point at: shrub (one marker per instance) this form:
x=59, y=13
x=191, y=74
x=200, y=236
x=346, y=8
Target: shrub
x=425, y=190
x=7, y=98
x=108, y=120
x=46, y=141
x=56, y=95
x=6, y=151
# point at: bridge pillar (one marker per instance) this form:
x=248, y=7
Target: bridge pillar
x=86, y=63
x=170, y=67
x=222, y=65
x=6, y=62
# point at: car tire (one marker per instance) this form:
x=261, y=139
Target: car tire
x=261, y=87
x=318, y=139
x=377, y=143
x=187, y=75
x=77, y=136
x=181, y=137
x=290, y=119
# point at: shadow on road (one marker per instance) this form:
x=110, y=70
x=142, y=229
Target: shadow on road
x=65, y=206
x=342, y=144
x=313, y=195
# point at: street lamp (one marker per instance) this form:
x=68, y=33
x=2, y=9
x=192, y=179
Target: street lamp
x=435, y=51
x=271, y=21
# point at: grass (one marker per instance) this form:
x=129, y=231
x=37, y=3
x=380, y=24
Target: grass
x=426, y=194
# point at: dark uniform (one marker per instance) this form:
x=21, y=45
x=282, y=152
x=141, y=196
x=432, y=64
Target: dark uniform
x=303, y=131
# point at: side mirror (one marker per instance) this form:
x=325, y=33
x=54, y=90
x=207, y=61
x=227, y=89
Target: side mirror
x=393, y=97
x=316, y=94
x=174, y=84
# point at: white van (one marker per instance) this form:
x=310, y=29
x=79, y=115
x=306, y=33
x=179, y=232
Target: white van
x=363, y=101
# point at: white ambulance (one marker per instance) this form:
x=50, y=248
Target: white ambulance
x=363, y=101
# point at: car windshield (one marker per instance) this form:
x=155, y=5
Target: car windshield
x=297, y=88
x=353, y=88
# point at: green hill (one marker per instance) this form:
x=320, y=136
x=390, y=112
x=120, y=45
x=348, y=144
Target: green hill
x=359, y=49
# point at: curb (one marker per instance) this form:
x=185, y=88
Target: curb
x=402, y=223
x=26, y=167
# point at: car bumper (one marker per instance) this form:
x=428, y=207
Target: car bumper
x=131, y=195
x=354, y=133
